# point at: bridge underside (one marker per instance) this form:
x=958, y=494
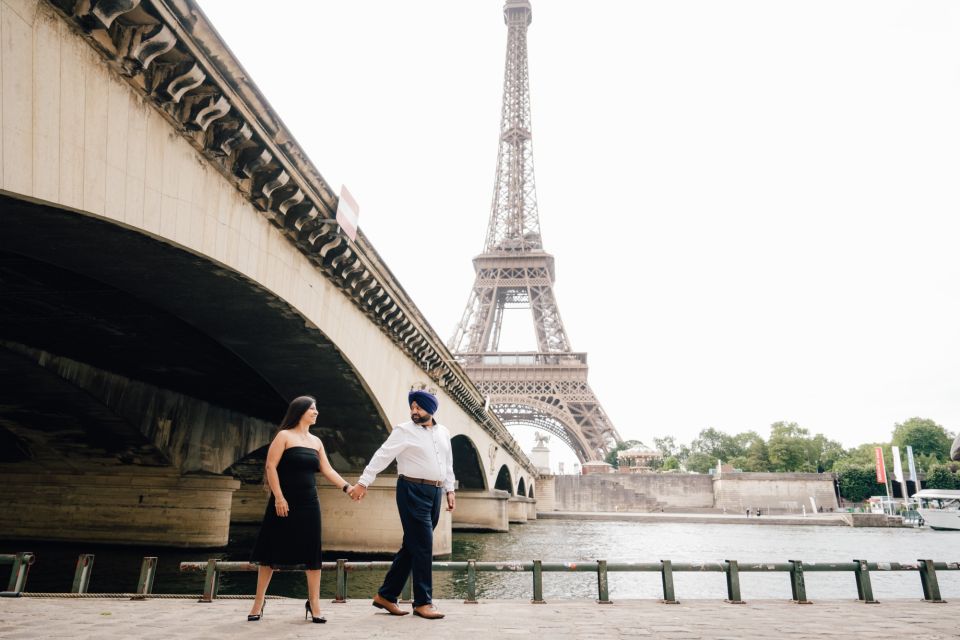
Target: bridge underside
x=145, y=310
x=122, y=354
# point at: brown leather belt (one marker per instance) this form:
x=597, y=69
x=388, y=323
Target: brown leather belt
x=432, y=483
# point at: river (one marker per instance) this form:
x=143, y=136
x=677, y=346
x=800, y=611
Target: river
x=116, y=568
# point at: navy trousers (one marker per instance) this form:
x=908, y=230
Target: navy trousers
x=419, y=507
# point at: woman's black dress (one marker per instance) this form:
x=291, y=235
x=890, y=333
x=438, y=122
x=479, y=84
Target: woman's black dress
x=295, y=539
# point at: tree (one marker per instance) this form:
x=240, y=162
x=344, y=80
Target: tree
x=699, y=462
x=716, y=444
x=790, y=448
x=857, y=483
x=828, y=452
x=941, y=476
x=670, y=463
x=755, y=456
x=925, y=436
x=612, y=459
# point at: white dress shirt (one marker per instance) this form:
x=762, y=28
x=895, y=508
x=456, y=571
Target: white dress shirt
x=421, y=452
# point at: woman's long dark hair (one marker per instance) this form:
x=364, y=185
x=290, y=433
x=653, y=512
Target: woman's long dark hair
x=296, y=410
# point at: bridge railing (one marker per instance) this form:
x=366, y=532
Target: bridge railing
x=861, y=569
x=20, y=564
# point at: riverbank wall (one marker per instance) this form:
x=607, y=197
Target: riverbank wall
x=730, y=492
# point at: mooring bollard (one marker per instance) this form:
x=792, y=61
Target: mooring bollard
x=864, y=588
x=471, y=582
x=928, y=579
x=81, y=577
x=733, y=582
x=211, y=581
x=537, y=582
x=341, y=595
x=666, y=575
x=603, y=590
x=797, y=586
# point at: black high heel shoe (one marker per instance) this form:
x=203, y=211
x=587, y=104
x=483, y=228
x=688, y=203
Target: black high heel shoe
x=254, y=617
x=309, y=614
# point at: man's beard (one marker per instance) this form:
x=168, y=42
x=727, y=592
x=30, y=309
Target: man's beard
x=424, y=419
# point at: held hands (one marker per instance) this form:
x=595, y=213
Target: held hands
x=357, y=492
x=283, y=509
x=451, y=501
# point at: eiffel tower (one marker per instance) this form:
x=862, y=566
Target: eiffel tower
x=546, y=388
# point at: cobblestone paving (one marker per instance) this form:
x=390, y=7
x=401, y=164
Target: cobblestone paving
x=107, y=619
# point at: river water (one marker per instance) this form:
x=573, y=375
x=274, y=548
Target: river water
x=116, y=568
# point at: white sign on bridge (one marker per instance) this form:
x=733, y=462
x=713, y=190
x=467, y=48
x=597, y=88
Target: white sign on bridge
x=348, y=213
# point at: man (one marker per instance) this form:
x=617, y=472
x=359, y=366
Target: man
x=425, y=466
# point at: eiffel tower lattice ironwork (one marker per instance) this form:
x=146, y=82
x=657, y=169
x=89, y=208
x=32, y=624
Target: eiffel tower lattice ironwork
x=546, y=388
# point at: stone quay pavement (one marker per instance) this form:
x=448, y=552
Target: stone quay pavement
x=110, y=619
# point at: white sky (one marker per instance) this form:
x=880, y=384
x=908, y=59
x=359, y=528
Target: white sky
x=753, y=205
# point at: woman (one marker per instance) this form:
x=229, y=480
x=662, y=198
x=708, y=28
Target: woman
x=290, y=533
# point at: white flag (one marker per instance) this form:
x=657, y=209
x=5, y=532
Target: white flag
x=897, y=465
x=913, y=468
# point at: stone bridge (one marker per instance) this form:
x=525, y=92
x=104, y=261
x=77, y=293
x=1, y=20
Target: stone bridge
x=170, y=278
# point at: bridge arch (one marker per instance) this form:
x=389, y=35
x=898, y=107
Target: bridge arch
x=530, y=492
x=505, y=481
x=467, y=464
x=521, y=488
x=530, y=412
x=223, y=356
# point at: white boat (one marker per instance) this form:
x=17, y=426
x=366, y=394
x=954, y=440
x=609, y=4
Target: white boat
x=939, y=508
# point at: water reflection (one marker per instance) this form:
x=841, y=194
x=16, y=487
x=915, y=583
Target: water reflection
x=116, y=568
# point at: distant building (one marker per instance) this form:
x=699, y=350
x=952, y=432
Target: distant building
x=595, y=466
x=638, y=459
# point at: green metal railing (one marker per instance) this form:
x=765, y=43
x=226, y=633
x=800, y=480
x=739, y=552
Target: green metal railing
x=20, y=568
x=861, y=569
x=795, y=569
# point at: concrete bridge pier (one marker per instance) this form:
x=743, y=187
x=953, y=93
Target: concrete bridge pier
x=517, y=509
x=482, y=511
x=369, y=526
x=148, y=506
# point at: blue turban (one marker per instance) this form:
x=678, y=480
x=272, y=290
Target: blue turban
x=426, y=401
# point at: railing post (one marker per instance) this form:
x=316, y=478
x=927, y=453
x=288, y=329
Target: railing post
x=148, y=570
x=797, y=585
x=928, y=578
x=19, y=572
x=341, y=595
x=864, y=588
x=537, y=582
x=733, y=582
x=603, y=590
x=406, y=594
x=472, y=582
x=211, y=582
x=666, y=574
x=81, y=577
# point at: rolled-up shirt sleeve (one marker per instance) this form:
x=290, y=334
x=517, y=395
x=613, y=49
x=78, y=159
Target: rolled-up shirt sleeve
x=386, y=454
x=448, y=478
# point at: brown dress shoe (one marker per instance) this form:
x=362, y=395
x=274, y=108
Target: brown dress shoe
x=390, y=607
x=427, y=611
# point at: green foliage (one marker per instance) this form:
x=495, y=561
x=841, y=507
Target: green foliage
x=612, y=459
x=670, y=463
x=716, y=444
x=942, y=476
x=699, y=462
x=790, y=448
x=925, y=436
x=828, y=452
x=857, y=483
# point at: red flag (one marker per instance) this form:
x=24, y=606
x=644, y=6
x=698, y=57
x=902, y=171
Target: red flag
x=881, y=467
